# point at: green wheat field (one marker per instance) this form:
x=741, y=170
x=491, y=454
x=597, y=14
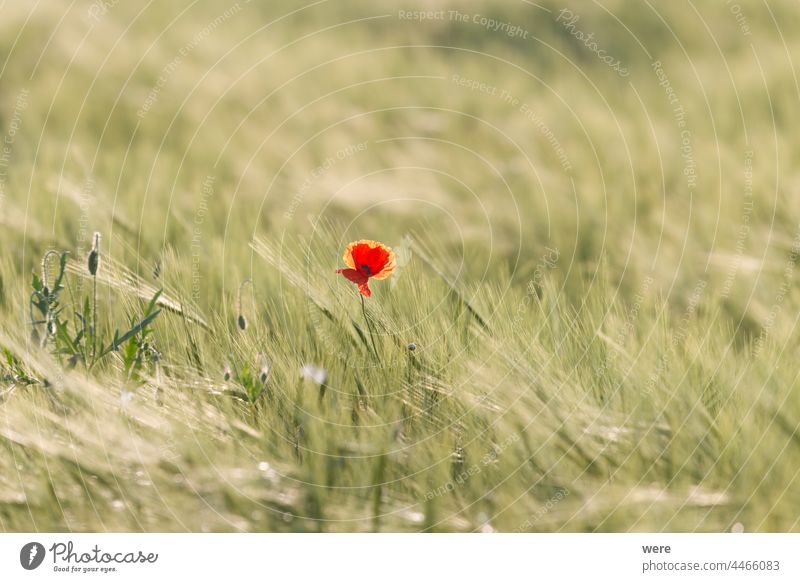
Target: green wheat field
x=592, y=326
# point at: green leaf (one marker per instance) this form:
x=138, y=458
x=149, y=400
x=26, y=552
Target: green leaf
x=119, y=340
x=151, y=306
x=63, y=339
x=129, y=353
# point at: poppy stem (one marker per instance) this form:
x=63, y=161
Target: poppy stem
x=369, y=325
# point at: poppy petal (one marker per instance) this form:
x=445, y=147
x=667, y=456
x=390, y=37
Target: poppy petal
x=370, y=260
x=348, y=256
x=370, y=257
x=388, y=267
x=367, y=258
x=354, y=276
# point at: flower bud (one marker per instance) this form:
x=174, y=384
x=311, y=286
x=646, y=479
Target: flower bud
x=93, y=262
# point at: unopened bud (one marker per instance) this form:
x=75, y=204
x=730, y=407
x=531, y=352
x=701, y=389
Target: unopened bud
x=94, y=256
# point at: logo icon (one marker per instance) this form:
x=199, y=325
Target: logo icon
x=31, y=555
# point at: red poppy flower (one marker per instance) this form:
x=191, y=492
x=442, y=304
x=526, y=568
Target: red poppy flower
x=367, y=259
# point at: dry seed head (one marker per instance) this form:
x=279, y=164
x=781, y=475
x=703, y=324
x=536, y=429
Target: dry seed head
x=317, y=374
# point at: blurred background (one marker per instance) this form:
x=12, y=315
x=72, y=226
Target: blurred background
x=497, y=128
x=638, y=161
